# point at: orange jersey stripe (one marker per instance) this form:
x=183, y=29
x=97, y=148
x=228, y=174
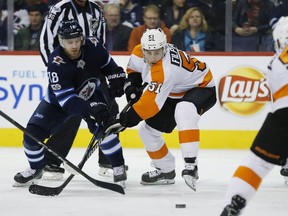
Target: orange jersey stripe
x=162, y=152
x=208, y=77
x=181, y=94
x=189, y=136
x=128, y=71
x=282, y=92
x=249, y=176
x=147, y=107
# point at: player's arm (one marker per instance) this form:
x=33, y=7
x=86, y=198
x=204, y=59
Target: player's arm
x=100, y=30
x=134, y=75
x=48, y=37
x=61, y=84
x=113, y=72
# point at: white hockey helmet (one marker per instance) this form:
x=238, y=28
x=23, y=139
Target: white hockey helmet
x=153, y=39
x=280, y=33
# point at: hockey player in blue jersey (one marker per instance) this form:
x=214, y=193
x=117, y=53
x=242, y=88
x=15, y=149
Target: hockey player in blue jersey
x=77, y=72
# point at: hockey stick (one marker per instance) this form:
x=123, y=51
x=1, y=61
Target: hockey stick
x=53, y=191
x=106, y=185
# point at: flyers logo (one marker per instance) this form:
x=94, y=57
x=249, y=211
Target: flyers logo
x=243, y=91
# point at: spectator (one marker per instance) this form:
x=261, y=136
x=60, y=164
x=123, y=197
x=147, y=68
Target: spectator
x=190, y=36
x=117, y=34
x=20, y=20
x=159, y=3
x=174, y=13
x=27, y=38
x=131, y=12
x=41, y=4
x=251, y=25
x=151, y=21
x=214, y=12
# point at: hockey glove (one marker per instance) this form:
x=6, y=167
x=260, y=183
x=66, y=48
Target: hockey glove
x=98, y=111
x=116, y=87
x=132, y=92
x=116, y=83
x=119, y=123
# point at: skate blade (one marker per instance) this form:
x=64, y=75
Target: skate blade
x=105, y=172
x=52, y=176
x=160, y=182
x=190, y=182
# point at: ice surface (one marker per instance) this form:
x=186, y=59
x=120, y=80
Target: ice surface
x=81, y=198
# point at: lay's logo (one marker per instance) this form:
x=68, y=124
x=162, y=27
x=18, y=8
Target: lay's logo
x=243, y=91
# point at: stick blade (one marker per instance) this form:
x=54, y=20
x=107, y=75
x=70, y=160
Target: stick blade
x=44, y=191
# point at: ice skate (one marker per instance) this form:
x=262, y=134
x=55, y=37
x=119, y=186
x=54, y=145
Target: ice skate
x=106, y=170
x=53, y=172
x=27, y=177
x=119, y=175
x=190, y=173
x=234, y=209
x=156, y=177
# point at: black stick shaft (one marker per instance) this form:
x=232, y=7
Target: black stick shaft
x=110, y=186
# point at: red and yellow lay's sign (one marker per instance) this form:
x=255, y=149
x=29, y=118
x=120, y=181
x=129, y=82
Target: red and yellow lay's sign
x=243, y=91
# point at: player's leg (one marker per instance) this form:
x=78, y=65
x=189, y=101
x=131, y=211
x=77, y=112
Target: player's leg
x=38, y=126
x=105, y=167
x=268, y=149
x=150, y=133
x=187, y=115
x=61, y=141
x=162, y=159
x=112, y=150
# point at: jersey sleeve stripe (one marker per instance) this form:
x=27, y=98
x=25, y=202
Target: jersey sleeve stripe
x=148, y=106
x=208, y=77
x=282, y=92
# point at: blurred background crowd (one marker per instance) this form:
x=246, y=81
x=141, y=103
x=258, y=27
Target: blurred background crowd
x=192, y=25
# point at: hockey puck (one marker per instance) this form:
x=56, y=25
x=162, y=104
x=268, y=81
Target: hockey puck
x=180, y=205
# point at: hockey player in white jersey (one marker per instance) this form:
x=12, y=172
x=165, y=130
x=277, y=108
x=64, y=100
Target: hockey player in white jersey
x=180, y=89
x=270, y=145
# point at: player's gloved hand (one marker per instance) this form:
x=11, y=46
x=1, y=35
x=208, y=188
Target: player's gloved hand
x=119, y=122
x=99, y=112
x=131, y=91
x=114, y=125
x=116, y=87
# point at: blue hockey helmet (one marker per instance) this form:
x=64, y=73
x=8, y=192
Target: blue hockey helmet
x=69, y=29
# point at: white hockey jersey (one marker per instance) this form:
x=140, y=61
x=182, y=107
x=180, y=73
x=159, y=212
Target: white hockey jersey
x=172, y=77
x=277, y=77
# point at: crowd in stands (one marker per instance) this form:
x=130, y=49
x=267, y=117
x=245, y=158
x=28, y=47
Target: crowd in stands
x=192, y=25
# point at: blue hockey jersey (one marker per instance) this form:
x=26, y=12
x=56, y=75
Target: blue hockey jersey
x=72, y=82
